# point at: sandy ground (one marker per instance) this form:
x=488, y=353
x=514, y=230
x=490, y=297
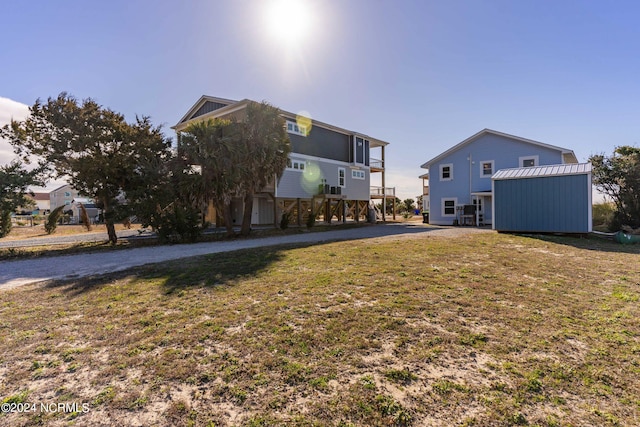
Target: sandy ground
x=22, y=272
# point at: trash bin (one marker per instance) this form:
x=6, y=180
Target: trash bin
x=425, y=217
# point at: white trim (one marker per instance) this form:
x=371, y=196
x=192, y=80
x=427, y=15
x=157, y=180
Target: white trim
x=441, y=167
x=536, y=161
x=325, y=160
x=493, y=205
x=590, y=196
x=493, y=168
x=442, y=206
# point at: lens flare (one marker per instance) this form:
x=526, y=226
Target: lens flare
x=303, y=119
x=311, y=178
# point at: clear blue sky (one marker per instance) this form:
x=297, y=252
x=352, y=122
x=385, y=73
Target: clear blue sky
x=422, y=75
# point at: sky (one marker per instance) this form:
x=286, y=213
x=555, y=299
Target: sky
x=422, y=75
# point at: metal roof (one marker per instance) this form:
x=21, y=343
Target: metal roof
x=542, y=171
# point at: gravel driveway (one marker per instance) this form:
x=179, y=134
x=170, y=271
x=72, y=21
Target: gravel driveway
x=22, y=272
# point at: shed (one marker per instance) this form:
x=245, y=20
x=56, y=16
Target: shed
x=543, y=199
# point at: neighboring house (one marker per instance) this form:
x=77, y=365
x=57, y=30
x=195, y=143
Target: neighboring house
x=92, y=210
x=63, y=195
x=458, y=185
x=42, y=202
x=328, y=173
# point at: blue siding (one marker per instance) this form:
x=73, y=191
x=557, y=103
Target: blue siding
x=556, y=204
x=504, y=152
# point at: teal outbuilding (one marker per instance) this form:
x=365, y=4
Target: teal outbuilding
x=543, y=199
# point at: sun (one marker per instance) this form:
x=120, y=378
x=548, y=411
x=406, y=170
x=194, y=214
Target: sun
x=289, y=21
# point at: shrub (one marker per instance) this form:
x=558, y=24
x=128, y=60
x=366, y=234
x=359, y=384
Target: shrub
x=52, y=220
x=284, y=221
x=311, y=220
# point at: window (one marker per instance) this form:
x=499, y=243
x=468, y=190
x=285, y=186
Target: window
x=341, y=177
x=67, y=194
x=446, y=172
x=295, y=128
x=449, y=207
x=361, y=151
x=528, y=161
x=486, y=168
x=296, y=165
x=357, y=174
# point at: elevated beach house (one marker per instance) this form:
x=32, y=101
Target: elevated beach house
x=328, y=173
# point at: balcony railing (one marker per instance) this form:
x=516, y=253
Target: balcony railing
x=383, y=191
x=376, y=163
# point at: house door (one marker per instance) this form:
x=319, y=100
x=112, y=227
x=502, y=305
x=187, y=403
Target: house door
x=483, y=209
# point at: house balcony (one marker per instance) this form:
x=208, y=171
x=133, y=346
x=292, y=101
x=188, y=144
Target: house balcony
x=383, y=192
x=376, y=165
x=425, y=190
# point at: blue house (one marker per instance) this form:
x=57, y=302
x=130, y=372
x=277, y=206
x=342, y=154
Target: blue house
x=458, y=185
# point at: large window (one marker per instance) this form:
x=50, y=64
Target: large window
x=357, y=174
x=295, y=128
x=486, y=168
x=361, y=151
x=449, y=207
x=446, y=172
x=341, y=177
x=528, y=161
x=296, y=165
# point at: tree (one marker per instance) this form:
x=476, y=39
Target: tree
x=14, y=183
x=264, y=149
x=209, y=146
x=618, y=177
x=237, y=158
x=408, y=204
x=91, y=146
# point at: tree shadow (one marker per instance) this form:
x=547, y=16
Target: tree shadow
x=590, y=242
x=210, y=270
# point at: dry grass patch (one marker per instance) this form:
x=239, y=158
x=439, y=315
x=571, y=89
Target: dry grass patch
x=486, y=330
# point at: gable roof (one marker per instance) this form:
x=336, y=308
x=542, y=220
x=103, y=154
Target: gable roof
x=232, y=106
x=568, y=155
x=540, y=171
x=201, y=103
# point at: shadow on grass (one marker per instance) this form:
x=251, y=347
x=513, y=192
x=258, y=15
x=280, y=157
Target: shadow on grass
x=222, y=268
x=591, y=242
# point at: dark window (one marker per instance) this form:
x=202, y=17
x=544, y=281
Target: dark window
x=446, y=172
x=449, y=207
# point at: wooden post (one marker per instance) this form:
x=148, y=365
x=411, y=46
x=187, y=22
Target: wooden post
x=344, y=211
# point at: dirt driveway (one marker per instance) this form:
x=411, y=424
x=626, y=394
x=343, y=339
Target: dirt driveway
x=22, y=272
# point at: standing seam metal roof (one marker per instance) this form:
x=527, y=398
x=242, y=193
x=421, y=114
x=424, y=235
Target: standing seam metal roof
x=542, y=171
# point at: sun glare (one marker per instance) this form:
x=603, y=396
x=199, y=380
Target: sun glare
x=289, y=21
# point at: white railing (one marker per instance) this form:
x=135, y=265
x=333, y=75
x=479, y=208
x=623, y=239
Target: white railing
x=383, y=191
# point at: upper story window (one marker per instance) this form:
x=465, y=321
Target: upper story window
x=357, y=174
x=361, y=151
x=295, y=128
x=446, y=172
x=67, y=194
x=297, y=165
x=528, y=161
x=486, y=168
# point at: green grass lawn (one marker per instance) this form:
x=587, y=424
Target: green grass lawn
x=489, y=330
